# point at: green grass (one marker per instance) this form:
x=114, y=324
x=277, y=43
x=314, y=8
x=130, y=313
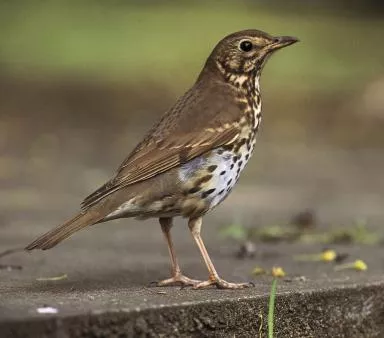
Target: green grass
x=169, y=43
x=271, y=308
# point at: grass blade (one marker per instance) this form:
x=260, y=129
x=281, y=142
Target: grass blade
x=271, y=308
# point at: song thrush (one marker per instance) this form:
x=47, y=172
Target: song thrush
x=190, y=160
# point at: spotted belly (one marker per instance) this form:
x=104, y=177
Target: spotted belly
x=212, y=177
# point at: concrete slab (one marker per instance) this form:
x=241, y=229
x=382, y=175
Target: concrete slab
x=107, y=292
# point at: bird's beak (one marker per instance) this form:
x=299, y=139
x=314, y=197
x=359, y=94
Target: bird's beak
x=281, y=42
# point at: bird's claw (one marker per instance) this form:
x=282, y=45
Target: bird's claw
x=178, y=280
x=222, y=284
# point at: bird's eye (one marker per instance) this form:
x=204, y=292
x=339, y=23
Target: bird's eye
x=245, y=45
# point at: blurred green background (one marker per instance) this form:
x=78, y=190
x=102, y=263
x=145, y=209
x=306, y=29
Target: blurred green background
x=81, y=81
x=329, y=83
x=166, y=42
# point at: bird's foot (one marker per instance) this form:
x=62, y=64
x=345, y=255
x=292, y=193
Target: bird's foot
x=221, y=284
x=178, y=279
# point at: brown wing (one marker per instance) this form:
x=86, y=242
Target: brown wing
x=201, y=120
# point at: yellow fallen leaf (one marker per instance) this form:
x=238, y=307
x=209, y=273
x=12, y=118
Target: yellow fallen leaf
x=328, y=255
x=277, y=271
x=325, y=256
x=358, y=265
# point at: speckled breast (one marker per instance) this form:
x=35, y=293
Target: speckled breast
x=210, y=178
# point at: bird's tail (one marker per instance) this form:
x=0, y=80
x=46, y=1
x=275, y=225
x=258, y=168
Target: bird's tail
x=56, y=235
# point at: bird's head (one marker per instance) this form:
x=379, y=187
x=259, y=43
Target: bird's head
x=246, y=51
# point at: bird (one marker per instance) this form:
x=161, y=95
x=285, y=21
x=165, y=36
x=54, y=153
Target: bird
x=190, y=160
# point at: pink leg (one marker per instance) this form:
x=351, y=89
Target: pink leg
x=177, y=277
x=214, y=279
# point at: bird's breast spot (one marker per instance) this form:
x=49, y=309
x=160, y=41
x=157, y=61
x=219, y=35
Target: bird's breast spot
x=223, y=178
x=227, y=173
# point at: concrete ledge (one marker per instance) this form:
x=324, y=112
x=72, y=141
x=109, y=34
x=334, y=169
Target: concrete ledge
x=106, y=293
x=355, y=311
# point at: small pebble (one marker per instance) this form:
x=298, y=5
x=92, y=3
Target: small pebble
x=47, y=310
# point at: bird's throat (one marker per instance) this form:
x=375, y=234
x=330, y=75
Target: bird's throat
x=248, y=97
x=247, y=93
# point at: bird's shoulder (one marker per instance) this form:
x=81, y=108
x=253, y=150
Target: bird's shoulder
x=207, y=109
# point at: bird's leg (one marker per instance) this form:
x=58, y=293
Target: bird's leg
x=214, y=279
x=177, y=277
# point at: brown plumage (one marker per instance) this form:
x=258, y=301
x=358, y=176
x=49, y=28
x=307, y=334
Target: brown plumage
x=190, y=160
x=175, y=140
